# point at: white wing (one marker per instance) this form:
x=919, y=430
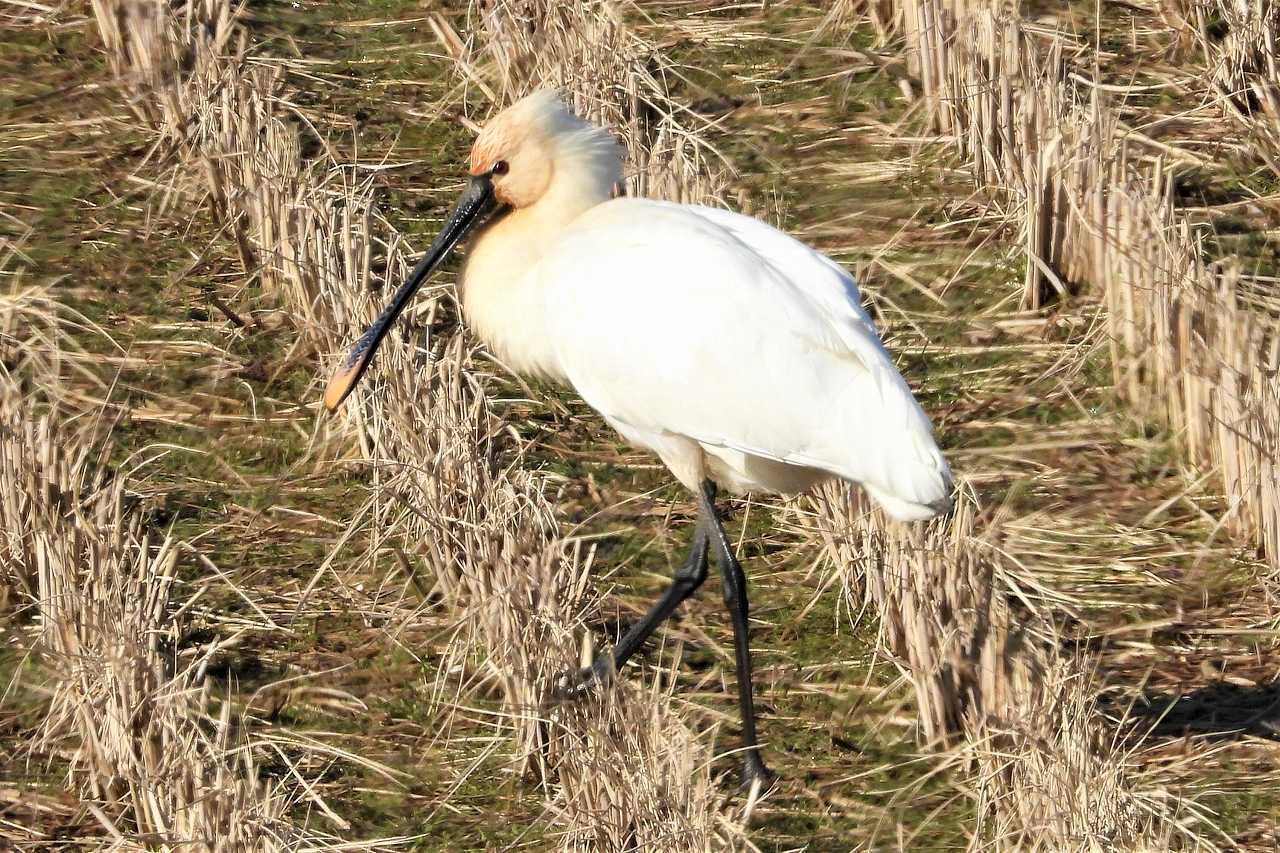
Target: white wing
x=684, y=320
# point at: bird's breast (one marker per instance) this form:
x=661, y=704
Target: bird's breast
x=504, y=306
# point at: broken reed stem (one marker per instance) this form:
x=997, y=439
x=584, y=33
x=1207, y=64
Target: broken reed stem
x=1184, y=346
x=1245, y=65
x=1029, y=138
x=123, y=707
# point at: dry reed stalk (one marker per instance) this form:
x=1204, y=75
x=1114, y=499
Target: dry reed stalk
x=32, y=470
x=32, y=341
x=1246, y=65
x=1084, y=203
x=1002, y=100
x=100, y=588
x=1050, y=778
x=187, y=69
x=633, y=777
x=885, y=16
x=35, y=347
x=31, y=14
x=1188, y=350
x=972, y=634
x=1093, y=214
x=612, y=77
x=163, y=53
x=1183, y=345
x=251, y=161
x=1188, y=22
x=944, y=600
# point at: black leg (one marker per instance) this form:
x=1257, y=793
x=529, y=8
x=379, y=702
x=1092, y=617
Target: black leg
x=735, y=599
x=686, y=580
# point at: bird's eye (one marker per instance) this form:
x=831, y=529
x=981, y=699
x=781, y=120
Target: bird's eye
x=501, y=167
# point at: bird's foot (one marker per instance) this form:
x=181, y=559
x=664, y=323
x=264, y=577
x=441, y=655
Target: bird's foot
x=573, y=685
x=755, y=773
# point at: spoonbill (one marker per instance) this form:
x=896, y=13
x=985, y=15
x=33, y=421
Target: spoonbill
x=739, y=355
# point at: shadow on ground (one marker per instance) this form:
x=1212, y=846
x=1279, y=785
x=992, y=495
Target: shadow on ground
x=1220, y=710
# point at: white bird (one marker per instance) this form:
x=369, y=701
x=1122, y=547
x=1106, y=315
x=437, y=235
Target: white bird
x=737, y=354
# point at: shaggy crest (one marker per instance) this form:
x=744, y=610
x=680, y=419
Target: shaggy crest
x=544, y=119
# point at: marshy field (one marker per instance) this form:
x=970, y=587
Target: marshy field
x=234, y=622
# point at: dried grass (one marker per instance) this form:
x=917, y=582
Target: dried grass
x=885, y=17
x=1002, y=98
x=1244, y=66
x=37, y=348
x=944, y=600
x=1051, y=778
x=96, y=585
x=444, y=483
x=30, y=14
x=1247, y=67
x=1189, y=351
x=164, y=54
x=1182, y=347
x=32, y=338
x=633, y=776
x=612, y=77
x=149, y=765
x=973, y=631
x=1185, y=346
x=191, y=79
x=128, y=706
x=159, y=771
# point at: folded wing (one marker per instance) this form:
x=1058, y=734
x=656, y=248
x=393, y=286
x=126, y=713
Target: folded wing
x=711, y=325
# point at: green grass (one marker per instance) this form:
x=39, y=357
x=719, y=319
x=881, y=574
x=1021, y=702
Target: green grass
x=851, y=772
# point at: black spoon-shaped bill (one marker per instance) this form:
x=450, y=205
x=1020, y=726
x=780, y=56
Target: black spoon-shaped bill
x=474, y=207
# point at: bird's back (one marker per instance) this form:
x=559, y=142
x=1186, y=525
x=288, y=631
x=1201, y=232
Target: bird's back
x=676, y=320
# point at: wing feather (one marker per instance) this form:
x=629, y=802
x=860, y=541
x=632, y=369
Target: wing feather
x=704, y=323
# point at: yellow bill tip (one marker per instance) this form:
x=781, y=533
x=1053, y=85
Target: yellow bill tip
x=340, y=386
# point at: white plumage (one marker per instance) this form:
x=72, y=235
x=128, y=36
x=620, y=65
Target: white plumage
x=719, y=342
x=727, y=347
x=739, y=355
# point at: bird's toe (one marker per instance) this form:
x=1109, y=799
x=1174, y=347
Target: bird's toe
x=575, y=684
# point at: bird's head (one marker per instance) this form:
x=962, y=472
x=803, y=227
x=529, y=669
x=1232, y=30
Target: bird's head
x=523, y=148
x=516, y=159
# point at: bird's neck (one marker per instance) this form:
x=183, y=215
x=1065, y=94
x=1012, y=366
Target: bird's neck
x=500, y=299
